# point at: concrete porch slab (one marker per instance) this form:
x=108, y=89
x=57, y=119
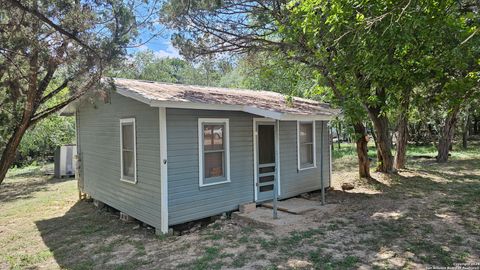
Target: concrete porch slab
x=296, y=206
x=263, y=217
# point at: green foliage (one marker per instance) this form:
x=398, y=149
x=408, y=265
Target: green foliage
x=370, y=55
x=274, y=73
x=262, y=72
x=392, y=45
x=144, y=65
x=52, y=53
x=40, y=141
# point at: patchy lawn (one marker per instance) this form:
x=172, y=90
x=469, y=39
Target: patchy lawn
x=426, y=215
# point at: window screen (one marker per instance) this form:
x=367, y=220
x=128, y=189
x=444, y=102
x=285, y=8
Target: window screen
x=306, y=145
x=128, y=149
x=213, y=151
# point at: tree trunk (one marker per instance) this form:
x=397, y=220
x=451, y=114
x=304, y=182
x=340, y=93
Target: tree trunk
x=9, y=153
x=402, y=132
x=339, y=131
x=374, y=136
x=446, y=136
x=413, y=131
x=384, y=148
x=402, y=141
x=475, y=125
x=362, y=150
x=466, y=131
x=10, y=150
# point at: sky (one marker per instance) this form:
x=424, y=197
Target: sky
x=161, y=46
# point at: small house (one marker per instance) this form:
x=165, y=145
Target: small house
x=167, y=154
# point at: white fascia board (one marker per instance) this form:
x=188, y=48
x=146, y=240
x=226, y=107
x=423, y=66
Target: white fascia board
x=262, y=112
x=68, y=110
x=296, y=117
x=195, y=106
x=286, y=116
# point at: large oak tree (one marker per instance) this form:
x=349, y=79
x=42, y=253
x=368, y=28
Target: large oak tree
x=53, y=49
x=372, y=52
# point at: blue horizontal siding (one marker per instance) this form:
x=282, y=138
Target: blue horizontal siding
x=294, y=182
x=99, y=140
x=99, y=137
x=186, y=200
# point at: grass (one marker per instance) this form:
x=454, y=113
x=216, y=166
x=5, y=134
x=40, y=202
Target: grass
x=327, y=262
x=31, y=170
x=208, y=260
x=349, y=150
x=428, y=215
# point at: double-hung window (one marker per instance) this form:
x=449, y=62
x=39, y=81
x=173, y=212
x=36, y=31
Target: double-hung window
x=306, y=145
x=128, y=149
x=214, y=152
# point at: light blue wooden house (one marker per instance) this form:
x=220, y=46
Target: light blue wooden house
x=167, y=154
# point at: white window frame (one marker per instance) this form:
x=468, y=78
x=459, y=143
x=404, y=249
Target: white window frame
x=122, y=177
x=314, y=138
x=226, y=141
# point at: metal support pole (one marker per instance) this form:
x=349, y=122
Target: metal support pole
x=277, y=168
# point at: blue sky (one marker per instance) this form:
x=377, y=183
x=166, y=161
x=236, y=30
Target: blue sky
x=161, y=45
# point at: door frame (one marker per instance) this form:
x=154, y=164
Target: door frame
x=273, y=122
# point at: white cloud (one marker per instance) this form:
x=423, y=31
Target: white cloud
x=142, y=48
x=170, y=51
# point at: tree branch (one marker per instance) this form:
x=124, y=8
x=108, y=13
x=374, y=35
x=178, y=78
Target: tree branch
x=55, y=26
x=45, y=113
x=56, y=91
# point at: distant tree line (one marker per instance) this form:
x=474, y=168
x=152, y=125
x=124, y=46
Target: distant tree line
x=258, y=72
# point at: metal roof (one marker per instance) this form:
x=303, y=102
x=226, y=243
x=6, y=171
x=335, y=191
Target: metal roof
x=262, y=103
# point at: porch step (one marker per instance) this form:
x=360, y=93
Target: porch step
x=296, y=206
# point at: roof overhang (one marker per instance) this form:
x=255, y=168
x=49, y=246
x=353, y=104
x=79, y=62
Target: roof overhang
x=225, y=107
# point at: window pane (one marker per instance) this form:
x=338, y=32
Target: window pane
x=207, y=136
x=306, y=133
x=127, y=136
x=213, y=164
x=213, y=137
x=306, y=154
x=264, y=179
x=266, y=169
x=128, y=164
x=266, y=188
x=266, y=144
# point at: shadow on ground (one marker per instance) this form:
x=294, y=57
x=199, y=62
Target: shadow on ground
x=86, y=238
x=419, y=217
x=12, y=189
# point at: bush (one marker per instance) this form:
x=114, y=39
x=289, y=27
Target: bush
x=40, y=141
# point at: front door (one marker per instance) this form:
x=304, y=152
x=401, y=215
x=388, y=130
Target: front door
x=266, y=166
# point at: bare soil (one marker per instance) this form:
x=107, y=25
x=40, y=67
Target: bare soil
x=425, y=216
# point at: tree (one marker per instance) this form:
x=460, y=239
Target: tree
x=374, y=52
x=54, y=46
x=458, y=93
x=144, y=65
x=250, y=27
x=42, y=139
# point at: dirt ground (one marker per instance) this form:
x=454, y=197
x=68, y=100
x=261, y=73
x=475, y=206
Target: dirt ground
x=427, y=215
